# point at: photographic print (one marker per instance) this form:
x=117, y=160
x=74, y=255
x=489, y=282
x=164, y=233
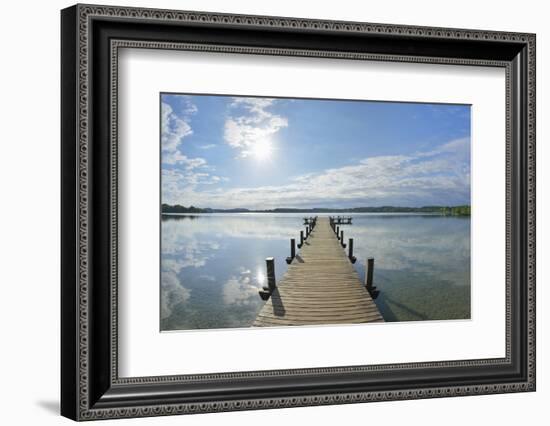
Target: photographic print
x=294, y=212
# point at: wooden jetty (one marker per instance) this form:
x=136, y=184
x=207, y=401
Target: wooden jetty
x=320, y=286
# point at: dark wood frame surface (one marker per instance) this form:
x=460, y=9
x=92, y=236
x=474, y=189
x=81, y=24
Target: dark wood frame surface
x=90, y=386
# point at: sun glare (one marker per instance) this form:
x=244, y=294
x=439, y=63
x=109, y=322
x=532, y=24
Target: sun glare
x=260, y=277
x=262, y=150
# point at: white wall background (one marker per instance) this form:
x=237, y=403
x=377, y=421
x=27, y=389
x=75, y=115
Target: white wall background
x=29, y=225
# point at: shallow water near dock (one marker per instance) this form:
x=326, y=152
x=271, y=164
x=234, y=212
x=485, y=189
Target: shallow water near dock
x=213, y=265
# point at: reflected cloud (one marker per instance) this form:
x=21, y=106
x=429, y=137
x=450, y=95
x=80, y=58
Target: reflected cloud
x=240, y=290
x=172, y=293
x=431, y=245
x=263, y=226
x=182, y=249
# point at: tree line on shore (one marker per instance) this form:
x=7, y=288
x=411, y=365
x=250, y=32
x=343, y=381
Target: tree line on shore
x=462, y=210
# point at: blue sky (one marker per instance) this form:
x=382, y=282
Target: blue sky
x=260, y=153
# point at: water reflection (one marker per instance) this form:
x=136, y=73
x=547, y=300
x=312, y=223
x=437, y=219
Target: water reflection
x=422, y=264
x=212, y=266
x=240, y=290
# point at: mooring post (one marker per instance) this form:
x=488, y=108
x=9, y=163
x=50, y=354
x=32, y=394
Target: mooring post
x=352, y=258
x=307, y=232
x=342, y=239
x=338, y=232
x=301, y=239
x=373, y=291
x=266, y=291
x=292, y=251
x=369, y=273
x=270, y=266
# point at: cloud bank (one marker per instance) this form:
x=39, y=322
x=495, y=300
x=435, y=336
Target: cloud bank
x=440, y=176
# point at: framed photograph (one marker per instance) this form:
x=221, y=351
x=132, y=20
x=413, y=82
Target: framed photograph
x=263, y=212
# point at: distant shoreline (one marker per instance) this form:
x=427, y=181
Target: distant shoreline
x=462, y=210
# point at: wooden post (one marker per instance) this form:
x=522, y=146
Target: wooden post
x=373, y=291
x=369, y=273
x=301, y=239
x=352, y=258
x=270, y=266
x=342, y=239
x=338, y=232
x=292, y=251
x=307, y=231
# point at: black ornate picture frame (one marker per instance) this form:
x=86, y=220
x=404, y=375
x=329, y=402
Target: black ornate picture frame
x=90, y=385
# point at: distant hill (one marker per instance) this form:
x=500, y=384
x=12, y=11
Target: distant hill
x=463, y=210
x=166, y=208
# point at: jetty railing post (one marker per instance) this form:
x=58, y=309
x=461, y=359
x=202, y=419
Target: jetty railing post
x=270, y=266
x=370, y=272
x=307, y=232
x=301, y=239
x=292, y=251
x=338, y=232
x=352, y=258
x=342, y=239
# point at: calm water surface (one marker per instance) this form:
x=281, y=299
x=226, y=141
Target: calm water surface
x=213, y=265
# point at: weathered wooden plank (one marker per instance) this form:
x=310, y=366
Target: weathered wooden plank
x=319, y=287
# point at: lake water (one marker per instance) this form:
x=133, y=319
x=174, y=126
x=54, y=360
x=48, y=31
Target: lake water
x=213, y=265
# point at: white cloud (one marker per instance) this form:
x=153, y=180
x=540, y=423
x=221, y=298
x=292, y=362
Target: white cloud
x=189, y=107
x=255, y=124
x=175, y=129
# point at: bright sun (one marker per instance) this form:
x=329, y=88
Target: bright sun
x=262, y=150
